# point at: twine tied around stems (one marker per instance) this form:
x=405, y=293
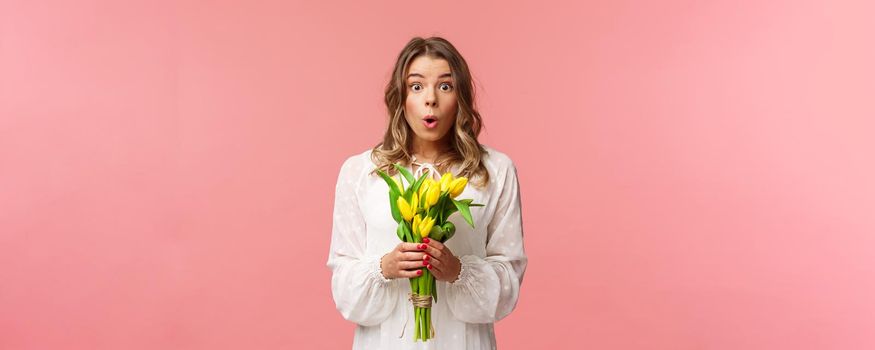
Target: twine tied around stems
x=423, y=301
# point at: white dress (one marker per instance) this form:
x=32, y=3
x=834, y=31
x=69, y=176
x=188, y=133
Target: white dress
x=492, y=256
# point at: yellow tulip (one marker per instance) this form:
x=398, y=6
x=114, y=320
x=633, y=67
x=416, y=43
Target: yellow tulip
x=457, y=186
x=398, y=182
x=427, y=185
x=431, y=198
x=405, y=209
x=414, y=203
x=423, y=188
x=425, y=226
x=417, y=221
x=446, y=179
x=423, y=194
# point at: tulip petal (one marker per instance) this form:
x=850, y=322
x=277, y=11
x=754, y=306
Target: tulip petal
x=405, y=209
x=446, y=179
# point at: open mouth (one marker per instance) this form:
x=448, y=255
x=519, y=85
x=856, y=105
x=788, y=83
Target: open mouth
x=430, y=122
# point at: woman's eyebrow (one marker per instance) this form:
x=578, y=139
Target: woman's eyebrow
x=445, y=75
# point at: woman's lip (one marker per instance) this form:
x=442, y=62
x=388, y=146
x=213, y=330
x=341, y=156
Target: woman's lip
x=431, y=125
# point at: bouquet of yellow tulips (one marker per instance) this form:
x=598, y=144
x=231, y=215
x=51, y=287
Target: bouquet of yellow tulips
x=421, y=210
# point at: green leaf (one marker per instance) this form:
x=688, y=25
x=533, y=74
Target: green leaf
x=466, y=213
x=393, y=204
x=393, y=187
x=432, y=212
x=445, y=209
x=400, y=231
x=400, y=189
x=407, y=174
x=449, y=210
x=408, y=236
x=415, y=187
x=470, y=204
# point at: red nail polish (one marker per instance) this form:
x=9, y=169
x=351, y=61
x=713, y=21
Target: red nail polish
x=419, y=272
x=429, y=267
x=426, y=240
x=423, y=246
x=426, y=258
x=424, y=263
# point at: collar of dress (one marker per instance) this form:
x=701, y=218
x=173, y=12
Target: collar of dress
x=432, y=171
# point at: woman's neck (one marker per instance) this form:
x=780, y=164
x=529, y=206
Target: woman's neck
x=428, y=152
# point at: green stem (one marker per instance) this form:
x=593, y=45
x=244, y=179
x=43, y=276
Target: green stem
x=414, y=284
x=416, y=335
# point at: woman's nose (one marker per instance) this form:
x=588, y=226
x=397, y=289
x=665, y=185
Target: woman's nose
x=430, y=100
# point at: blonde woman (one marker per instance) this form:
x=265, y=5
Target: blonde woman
x=433, y=127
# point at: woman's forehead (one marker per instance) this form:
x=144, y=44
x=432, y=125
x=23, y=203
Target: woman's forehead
x=429, y=67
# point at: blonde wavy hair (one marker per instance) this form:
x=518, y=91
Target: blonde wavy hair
x=464, y=149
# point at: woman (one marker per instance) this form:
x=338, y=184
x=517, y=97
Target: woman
x=433, y=126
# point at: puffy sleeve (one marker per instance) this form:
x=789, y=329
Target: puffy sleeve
x=488, y=288
x=361, y=293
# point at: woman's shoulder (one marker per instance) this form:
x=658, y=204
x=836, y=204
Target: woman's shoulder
x=356, y=163
x=496, y=159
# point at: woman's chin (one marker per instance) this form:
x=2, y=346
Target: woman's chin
x=429, y=135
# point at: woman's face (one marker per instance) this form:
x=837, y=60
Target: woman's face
x=431, y=104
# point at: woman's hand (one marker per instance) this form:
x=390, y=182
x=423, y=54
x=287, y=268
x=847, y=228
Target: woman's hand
x=442, y=263
x=405, y=261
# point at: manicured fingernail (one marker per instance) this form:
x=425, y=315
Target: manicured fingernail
x=429, y=267
x=424, y=263
x=426, y=258
x=418, y=272
x=423, y=246
x=425, y=240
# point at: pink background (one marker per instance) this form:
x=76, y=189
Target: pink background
x=695, y=175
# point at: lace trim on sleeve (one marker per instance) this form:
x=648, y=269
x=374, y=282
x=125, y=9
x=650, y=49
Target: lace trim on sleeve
x=376, y=270
x=465, y=274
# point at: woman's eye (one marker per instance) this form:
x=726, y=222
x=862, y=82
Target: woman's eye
x=446, y=87
x=416, y=87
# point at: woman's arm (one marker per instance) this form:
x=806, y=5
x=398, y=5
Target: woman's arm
x=360, y=291
x=488, y=288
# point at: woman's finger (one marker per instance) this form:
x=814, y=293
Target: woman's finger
x=437, y=249
x=435, y=270
x=435, y=262
x=409, y=247
x=433, y=243
x=410, y=273
x=412, y=256
x=434, y=252
x=407, y=265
